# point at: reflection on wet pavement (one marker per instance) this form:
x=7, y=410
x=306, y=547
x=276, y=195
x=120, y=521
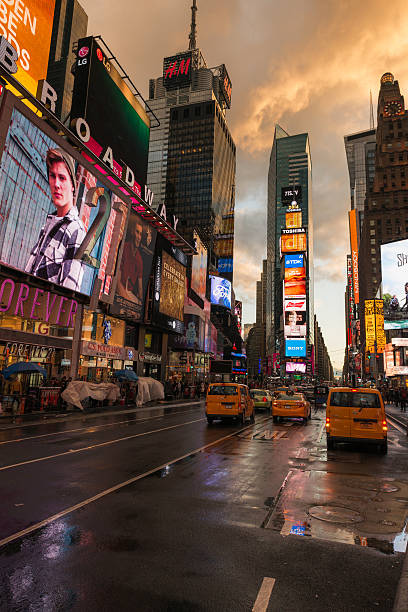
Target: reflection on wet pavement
x=362, y=510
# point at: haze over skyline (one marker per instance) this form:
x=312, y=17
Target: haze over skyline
x=308, y=66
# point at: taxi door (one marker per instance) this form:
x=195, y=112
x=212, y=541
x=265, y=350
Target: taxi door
x=367, y=415
x=339, y=413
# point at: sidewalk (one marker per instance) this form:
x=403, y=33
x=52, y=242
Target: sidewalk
x=396, y=412
x=56, y=416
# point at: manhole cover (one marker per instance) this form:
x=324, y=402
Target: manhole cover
x=335, y=514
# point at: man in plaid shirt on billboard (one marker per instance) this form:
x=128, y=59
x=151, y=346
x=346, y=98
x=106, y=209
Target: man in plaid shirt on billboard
x=52, y=257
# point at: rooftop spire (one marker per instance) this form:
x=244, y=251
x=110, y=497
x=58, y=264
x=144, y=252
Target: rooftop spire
x=193, y=32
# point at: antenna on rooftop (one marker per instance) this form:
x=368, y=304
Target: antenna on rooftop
x=193, y=31
x=371, y=112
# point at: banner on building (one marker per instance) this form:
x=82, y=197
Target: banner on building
x=369, y=316
x=354, y=254
x=394, y=268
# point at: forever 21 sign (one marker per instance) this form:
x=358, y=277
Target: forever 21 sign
x=31, y=351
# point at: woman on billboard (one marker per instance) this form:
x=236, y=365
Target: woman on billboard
x=52, y=257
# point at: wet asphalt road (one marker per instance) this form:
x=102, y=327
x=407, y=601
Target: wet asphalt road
x=198, y=516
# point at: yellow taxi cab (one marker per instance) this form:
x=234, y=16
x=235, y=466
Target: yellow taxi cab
x=356, y=415
x=229, y=401
x=292, y=405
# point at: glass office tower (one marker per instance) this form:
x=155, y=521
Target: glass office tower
x=290, y=166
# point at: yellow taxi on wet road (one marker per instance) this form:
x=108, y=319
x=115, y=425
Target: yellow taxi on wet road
x=291, y=405
x=229, y=401
x=356, y=415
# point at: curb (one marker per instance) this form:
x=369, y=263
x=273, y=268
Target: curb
x=401, y=598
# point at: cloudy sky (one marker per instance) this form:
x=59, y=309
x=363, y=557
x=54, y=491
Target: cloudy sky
x=308, y=65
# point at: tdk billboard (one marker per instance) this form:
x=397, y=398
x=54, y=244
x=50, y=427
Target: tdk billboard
x=295, y=348
x=294, y=261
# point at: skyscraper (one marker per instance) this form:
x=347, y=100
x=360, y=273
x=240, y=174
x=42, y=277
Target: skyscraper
x=70, y=24
x=360, y=153
x=289, y=218
x=192, y=154
x=386, y=205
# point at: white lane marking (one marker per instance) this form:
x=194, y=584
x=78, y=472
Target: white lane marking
x=53, y=421
x=85, y=502
x=84, y=448
x=90, y=428
x=396, y=426
x=320, y=434
x=264, y=595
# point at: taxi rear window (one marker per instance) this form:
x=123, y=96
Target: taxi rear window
x=291, y=398
x=222, y=390
x=354, y=400
x=254, y=393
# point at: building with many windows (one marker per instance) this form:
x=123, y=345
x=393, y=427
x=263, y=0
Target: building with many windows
x=192, y=154
x=290, y=168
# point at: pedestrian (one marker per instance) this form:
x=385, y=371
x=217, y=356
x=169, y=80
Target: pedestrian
x=178, y=389
x=403, y=399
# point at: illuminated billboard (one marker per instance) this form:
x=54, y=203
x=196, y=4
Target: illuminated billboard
x=369, y=316
x=226, y=86
x=294, y=276
x=292, y=366
x=295, y=323
x=295, y=304
x=199, y=268
x=169, y=288
x=135, y=268
x=220, y=291
x=293, y=242
x=394, y=267
x=293, y=219
x=58, y=222
x=27, y=26
x=289, y=195
x=295, y=347
x=238, y=314
x=177, y=70
x=354, y=253
x=120, y=126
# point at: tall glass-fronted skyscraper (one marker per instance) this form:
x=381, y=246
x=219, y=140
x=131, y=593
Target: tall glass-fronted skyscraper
x=290, y=167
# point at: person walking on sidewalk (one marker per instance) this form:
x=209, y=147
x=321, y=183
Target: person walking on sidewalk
x=403, y=400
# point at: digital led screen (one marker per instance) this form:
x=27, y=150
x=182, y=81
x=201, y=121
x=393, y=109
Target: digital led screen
x=177, y=70
x=291, y=194
x=295, y=323
x=199, y=268
x=135, y=268
x=294, y=276
x=292, y=366
x=293, y=219
x=394, y=272
x=58, y=222
x=120, y=122
x=220, y=291
x=295, y=347
x=293, y=243
x=238, y=314
x=295, y=304
x=27, y=26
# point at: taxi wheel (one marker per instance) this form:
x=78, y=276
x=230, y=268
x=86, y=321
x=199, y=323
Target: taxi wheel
x=275, y=419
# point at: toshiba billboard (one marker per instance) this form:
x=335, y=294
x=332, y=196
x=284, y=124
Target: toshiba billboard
x=27, y=26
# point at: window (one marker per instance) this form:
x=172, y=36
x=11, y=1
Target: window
x=223, y=390
x=347, y=399
x=372, y=222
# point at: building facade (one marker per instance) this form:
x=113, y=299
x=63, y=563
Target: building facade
x=70, y=24
x=290, y=170
x=192, y=156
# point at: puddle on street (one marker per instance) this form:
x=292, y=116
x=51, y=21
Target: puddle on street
x=359, y=510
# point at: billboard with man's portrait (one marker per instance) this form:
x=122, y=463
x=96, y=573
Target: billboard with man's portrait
x=135, y=268
x=58, y=222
